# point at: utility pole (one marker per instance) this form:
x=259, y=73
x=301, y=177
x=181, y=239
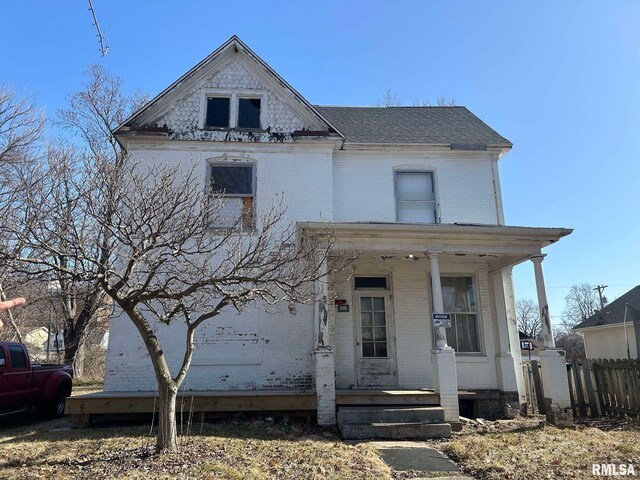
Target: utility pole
x=600, y=289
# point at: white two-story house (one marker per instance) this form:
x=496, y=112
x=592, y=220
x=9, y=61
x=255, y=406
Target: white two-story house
x=416, y=190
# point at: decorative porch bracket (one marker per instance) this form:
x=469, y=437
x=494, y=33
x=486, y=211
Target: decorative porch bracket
x=443, y=357
x=324, y=355
x=552, y=360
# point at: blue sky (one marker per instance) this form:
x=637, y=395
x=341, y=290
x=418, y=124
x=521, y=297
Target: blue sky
x=561, y=80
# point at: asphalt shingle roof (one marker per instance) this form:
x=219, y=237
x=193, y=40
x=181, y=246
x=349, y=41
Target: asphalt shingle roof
x=455, y=126
x=614, y=312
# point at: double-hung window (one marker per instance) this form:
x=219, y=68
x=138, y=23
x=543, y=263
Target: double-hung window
x=232, y=192
x=415, y=197
x=459, y=298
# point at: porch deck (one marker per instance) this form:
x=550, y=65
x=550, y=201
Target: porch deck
x=291, y=402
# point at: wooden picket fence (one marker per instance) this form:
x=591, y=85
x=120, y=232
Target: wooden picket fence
x=604, y=387
x=533, y=387
x=597, y=387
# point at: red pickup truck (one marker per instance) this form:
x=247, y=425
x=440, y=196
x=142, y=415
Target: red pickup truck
x=23, y=385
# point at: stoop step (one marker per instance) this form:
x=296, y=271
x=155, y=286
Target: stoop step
x=390, y=415
x=413, y=431
x=392, y=422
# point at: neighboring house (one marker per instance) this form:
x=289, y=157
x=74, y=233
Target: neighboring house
x=415, y=189
x=606, y=334
x=37, y=341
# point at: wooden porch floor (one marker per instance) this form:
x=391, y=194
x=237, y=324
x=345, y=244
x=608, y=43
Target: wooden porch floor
x=241, y=401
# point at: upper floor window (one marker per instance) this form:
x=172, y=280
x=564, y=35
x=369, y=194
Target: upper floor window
x=415, y=197
x=218, y=113
x=235, y=184
x=226, y=109
x=249, y=112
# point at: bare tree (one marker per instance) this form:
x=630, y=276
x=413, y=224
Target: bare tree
x=528, y=317
x=161, y=262
x=581, y=302
x=441, y=101
x=21, y=127
x=389, y=99
x=571, y=342
x=52, y=219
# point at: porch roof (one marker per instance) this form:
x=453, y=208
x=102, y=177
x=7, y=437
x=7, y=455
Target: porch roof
x=500, y=245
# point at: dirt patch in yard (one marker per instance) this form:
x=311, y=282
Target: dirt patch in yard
x=519, y=450
x=233, y=450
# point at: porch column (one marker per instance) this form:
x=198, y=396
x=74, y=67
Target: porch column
x=552, y=360
x=323, y=354
x=443, y=357
x=543, y=305
x=508, y=359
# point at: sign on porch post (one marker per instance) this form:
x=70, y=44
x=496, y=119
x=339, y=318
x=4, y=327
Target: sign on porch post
x=442, y=320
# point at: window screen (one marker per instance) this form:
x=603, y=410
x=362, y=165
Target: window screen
x=415, y=199
x=249, y=113
x=218, y=112
x=17, y=357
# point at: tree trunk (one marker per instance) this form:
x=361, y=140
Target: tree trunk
x=70, y=348
x=167, y=426
x=78, y=362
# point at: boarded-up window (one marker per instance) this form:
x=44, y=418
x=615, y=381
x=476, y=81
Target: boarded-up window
x=231, y=196
x=415, y=197
x=249, y=112
x=218, y=112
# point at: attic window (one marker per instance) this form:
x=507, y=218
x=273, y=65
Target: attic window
x=249, y=112
x=218, y=112
x=231, y=109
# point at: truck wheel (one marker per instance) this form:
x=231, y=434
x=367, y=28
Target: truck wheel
x=58, y=404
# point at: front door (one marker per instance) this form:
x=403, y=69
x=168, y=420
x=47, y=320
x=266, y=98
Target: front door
x=375, y=341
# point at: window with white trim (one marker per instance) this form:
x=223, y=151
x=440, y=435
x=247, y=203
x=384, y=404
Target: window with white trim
x=224, y=109
x=415, y=197
x=459, y=299
x=234, y=184
x=218, y=112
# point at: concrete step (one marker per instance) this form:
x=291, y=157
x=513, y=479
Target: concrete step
x=412, y=431
x=390, y=415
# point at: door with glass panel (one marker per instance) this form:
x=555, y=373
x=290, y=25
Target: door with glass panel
x=375, y=340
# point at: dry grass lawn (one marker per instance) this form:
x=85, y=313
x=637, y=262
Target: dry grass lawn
x=230, y=450
x=264, y=450
x=545, y=453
